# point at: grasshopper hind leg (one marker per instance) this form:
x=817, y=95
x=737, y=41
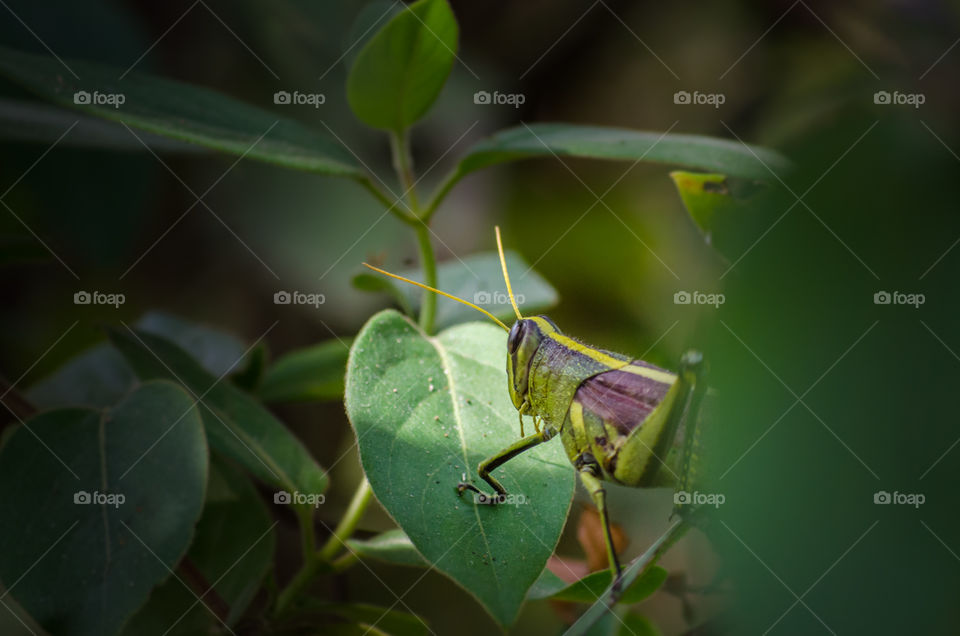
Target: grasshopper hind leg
x=589, y=470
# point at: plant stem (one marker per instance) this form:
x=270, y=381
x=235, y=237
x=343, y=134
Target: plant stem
x=348, y=523
x=403, y=164
x=440, y=194
x=392, y=206
x=428, y=306
x=315, y=560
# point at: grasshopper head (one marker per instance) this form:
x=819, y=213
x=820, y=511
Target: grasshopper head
x=522, y=343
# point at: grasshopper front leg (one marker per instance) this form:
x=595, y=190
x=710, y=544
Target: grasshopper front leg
x=492, y=463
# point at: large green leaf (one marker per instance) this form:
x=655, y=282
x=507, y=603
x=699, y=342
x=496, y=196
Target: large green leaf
x=181, y=111
x=400, y=72
x=236, y=424
x=479, y=279
x=392, y=546
x=99, y=376
x=84, y=568
x=232, y=549
x=312, y=374
x=37, y=122
x=426, y=412
x=596, y=142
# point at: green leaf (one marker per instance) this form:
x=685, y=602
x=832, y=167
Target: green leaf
x=589, y=588
x=596, y=142
x=99, y=376
x=236, y=424
x=392, y=546
x=721, y=208
x=84, y=568
x=181, y=111
x=426, y=411
x=637, y=625
x=383, y=619
x=630, y=573
x=400, y=72
x=219, y=352
x=313, y=374
x=31, y=121
x=232, y=549
x=479, y=279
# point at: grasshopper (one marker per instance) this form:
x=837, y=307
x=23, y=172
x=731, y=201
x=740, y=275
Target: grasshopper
x=619, y=418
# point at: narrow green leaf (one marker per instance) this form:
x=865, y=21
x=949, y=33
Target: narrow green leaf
x=366, y=281
x=236, y=424
x=84, y=546
x=589, y=588
x=30, y=121
x=400, y=72
x=596, y=142
x=181, y=111
x=232, y=549
x=392, y=546
x=426, y=412
x=313, y=374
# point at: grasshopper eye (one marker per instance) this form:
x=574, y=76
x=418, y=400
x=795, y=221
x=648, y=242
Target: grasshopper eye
x=513, y=340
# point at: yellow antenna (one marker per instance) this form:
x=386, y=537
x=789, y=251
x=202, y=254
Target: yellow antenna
x=506, y=277
x=450, y=296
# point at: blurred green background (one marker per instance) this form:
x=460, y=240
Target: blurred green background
x=822, y=397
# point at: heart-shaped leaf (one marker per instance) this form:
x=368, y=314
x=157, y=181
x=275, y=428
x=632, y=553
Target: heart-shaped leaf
x=399, y=73
x=236, y=424
x=85, y=542
x=189, y=113
x=426, y=411
x=232, y=549
x=598, y=142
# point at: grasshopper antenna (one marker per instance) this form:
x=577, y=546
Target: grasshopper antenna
x=506, y=276
x=445, y=294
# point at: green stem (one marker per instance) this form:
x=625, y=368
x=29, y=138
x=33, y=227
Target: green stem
x=310, y=561
x=403, y=164
x=348, y=523
x=394, y=207
x=428, y=306
x=441, y=193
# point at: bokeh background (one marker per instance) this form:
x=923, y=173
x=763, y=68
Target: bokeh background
x=821, y=397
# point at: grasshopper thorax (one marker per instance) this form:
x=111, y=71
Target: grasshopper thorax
x=526, y=336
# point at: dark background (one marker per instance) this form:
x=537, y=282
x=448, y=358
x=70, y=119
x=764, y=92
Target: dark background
x=881, y=214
